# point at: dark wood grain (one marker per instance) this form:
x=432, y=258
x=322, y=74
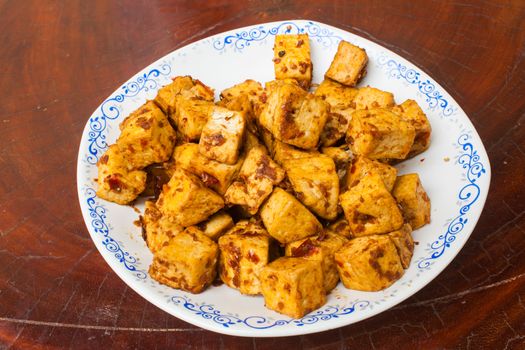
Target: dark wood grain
x=58, y=60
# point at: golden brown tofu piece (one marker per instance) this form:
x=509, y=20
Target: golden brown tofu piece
x=370, y=208
x=293, y=286
x=369, y=263
x=370, y=98
x=315, y=183
x=291, y=58
x=413, y=114
x=146, y=137
x=258, y=175
x=222, y=135
x=283, y=151
x=302, y=127
x=348, y=65
x=245, y=97
x=342, y=157
x=217, y=225
x=413, y=199
x=157, y=229
x=362, y=166
x=321, y=248
x=186, y=87
x=190, y=117
x=379, y=134
x=215, y=175
x=243, y=256
x=186, y=200
x=404, y=243
x=283, y=98
x=341, y=227
x=341, y=101
x=116, y=182
x=188, y=262
x=286, y=219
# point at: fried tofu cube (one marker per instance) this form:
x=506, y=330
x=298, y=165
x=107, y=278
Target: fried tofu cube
x=217, y=225
x=157, y=229
x=302, y=127
x=286, y=219
x=370, y=98
x=315, y=183
x=321, y=248
x=369, y=263
x=348, y=65
x=404, y=243
x=414, y=115
x=283, y=151
x=341, y=156
x=258, y=175
x=188, y=262
x=370, y=208
x=380, y=134
x=222, y=136
x=341, y=101
x=247, y=97
x=283, y=98
x=146, y=137
x=342, y=228
x=291, y=58
x=362, y=166
x=186, y=87
x=215, y=175
x=413, y=199
x=242, y=258
x=116, y=182
x=190, y=117
x=293, y=286
x=186, y=200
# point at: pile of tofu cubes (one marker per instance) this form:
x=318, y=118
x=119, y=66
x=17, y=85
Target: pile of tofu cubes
x=275, y=190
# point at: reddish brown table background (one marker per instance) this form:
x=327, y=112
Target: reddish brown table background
x=59, y=60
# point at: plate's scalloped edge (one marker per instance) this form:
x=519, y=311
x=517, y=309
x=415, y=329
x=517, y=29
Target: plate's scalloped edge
x=469, y=194
x=242, y=39
x=210, y=312
x=97, y=213
x=149, y=78
x=433, y=96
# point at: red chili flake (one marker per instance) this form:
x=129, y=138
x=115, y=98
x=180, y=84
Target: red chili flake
x=304, y=66
x=144, y=123
x=306, y=248
x=215, y=140
x=265, y=169
x=104, y=159
x=282, y=53
x=253, y=257
x=300, y=43
x=209, y=180
x=276, y=60
x=114, y=183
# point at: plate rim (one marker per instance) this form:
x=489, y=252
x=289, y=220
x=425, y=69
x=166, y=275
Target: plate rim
x=127, y=278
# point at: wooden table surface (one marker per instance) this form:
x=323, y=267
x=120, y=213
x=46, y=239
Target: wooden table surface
x=59, y=60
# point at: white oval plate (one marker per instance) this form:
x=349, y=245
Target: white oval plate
x=455, y=172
